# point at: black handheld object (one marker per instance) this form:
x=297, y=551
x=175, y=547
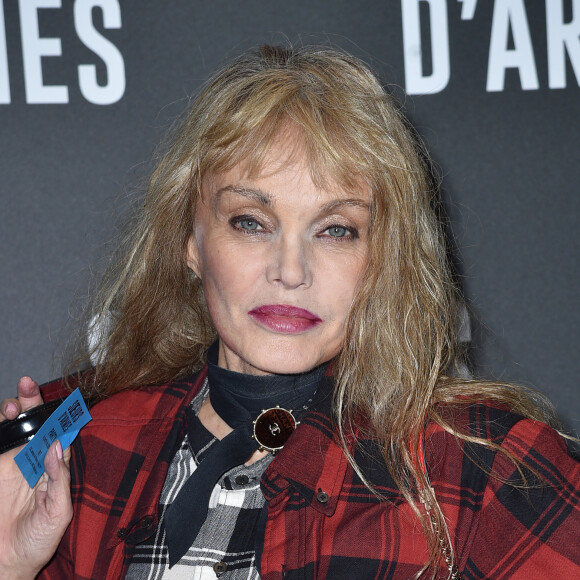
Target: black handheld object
x=19, y=431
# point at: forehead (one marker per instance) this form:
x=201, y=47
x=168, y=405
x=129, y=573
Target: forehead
x=285, y=164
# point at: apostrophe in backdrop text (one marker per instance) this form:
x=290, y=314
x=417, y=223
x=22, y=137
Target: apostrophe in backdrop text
x=35, y=48
x=508, y=16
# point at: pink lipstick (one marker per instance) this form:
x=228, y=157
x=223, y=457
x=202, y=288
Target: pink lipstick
x=285, y=318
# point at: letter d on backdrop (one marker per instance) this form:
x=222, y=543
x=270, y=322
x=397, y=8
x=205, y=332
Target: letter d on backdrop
x=416, y=83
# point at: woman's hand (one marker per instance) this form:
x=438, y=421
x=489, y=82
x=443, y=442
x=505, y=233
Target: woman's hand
x=32, y=521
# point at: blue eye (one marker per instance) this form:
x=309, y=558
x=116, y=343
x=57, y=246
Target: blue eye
x=248, y=224
x=337, y=231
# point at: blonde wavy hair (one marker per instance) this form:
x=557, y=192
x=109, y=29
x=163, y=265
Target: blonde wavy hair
x=400, y=345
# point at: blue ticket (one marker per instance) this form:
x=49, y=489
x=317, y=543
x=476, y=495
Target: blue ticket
x=64, y=425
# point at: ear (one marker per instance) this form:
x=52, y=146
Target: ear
x=192, y=256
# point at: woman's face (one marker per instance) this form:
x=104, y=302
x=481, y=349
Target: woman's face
x=280, y=260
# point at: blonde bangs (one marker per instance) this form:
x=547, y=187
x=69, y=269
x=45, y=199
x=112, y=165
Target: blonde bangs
x=246, y=129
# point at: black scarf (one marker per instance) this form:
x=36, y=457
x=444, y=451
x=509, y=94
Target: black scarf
x=238, y=399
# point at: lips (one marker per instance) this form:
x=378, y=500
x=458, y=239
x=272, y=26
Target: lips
x=284, y=318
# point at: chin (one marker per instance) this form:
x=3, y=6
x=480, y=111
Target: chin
x=280, y=355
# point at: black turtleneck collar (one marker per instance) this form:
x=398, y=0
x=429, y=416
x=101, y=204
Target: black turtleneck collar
x=235, y=396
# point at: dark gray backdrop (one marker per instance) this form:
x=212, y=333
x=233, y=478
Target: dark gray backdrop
x=87, y=89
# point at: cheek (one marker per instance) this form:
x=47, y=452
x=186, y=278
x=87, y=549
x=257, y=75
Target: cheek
x=341, y=283
x=215, y=263
x=228, y=281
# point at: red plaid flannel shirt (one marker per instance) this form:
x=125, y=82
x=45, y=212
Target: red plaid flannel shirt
x=322, y=522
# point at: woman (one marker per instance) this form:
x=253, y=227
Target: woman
x=293, y=218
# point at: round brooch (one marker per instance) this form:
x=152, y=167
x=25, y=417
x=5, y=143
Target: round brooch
x=273, y=427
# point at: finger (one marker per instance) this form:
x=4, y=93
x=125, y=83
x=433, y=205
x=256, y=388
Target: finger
x=9, y=409
x=58, y=484
x=67, y=454
x=28, y=397
x=28, y=393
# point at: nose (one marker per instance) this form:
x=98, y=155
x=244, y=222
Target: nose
x=290, y=263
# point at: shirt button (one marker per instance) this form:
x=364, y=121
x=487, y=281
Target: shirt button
x=322, y=496
x=146, y=522
x=242, y=479
x=220, y=567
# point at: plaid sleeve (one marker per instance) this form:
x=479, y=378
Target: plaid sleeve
x=529, y=521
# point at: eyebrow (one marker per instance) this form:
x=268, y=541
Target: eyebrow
x=258, y=195
x=338, y=203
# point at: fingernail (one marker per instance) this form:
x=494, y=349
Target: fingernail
x=58, y=450
x=11, y=408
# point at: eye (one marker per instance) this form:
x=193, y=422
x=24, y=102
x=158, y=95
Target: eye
x=246, y=223
x=337, y=231
x=340, y=232
x=249, y=224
